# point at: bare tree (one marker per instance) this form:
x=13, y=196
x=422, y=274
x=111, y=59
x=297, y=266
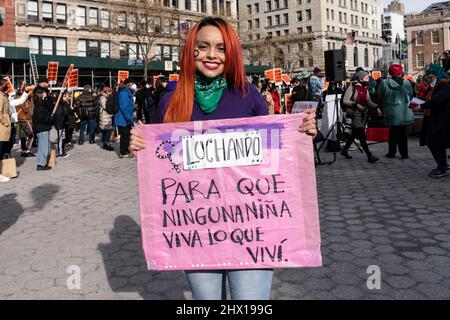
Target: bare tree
x=141, y=24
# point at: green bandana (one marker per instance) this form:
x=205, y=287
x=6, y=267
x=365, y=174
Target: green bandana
x=209, y=92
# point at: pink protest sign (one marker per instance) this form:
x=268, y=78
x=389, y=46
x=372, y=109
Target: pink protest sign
x=229, y=194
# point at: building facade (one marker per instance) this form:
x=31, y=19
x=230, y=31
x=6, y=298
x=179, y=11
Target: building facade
x=100, y=35
x=428, y=35
x=393, y=31
x=293, y=34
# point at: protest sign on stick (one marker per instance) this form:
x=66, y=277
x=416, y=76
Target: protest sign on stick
x=9, y=85
x=52, y=73
x=229, y=194
x=63, y=88
x=73, y=80
x=122, y=75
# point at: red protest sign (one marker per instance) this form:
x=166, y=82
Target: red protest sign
x=73, y=80
x=376, y=75
x=10, y=90
x=52, y=72
x=286, y=78
x=270, y=74
x=173, y=77
x=122, y=76
x=66, y=78
x=278, y=72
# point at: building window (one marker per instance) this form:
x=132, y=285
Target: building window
x=105, y=50
x=93, y=16
x=355, y=57
x=47, y=45
x=122, y=20
x=33, y=44
x=420, y=60
x=228, y=9
x=158, y=51
x=105, y=19
x=366, y=58
x=132, y=22
x=123, y=51
x=435, y=37
x=61, y=46
x=419, y=38
x=93, y=49
x=81, y=48
x=32, y=10
x=81, y=16
x=132, y=51
x=61, y=13
x=187, y=4
x=435, y=57
x=47, y=12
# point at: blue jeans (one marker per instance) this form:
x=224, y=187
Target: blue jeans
x=91, y=126
x=244, y=284
x=43, y=148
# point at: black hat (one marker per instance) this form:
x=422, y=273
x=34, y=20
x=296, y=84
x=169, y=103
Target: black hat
x=42, y=79
x=127, y=81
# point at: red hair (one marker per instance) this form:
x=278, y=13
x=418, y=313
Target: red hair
x=181, y=103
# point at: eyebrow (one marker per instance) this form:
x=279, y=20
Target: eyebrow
x=209, y=43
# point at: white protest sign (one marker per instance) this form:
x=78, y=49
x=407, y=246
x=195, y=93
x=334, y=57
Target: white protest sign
x=301, y=106
x=221, y=150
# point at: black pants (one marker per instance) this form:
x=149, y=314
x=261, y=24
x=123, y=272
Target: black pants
x=398, y=138
x=440, y=156
x=124, y=139
x=359, y=133
x=10, y=144
x=69, y=135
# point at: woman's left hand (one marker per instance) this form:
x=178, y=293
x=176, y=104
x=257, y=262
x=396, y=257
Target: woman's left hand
x=309, y=123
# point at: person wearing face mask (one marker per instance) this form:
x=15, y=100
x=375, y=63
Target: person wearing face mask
x=357, y=101
x=86, y=110
x=213, y=86
x=395, y=94
x=436, y=127
x=123, y=119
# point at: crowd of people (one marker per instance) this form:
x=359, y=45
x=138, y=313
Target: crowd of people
x=388, y=99
x=32, y=112
x=111, y=113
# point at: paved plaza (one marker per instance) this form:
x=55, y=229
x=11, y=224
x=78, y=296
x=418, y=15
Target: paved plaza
x=85, y=214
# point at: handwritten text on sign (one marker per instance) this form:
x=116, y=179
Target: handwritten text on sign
x=229, y=216
x=222, y=150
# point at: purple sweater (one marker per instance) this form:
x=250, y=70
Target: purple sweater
x=231, y=105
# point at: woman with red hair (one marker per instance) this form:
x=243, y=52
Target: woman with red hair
x=212, y=85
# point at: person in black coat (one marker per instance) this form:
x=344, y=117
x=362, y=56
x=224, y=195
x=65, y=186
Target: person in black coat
x=146, y=103
x=437, y=133
x=70, y=121
x=87, y=112
x=42, y=122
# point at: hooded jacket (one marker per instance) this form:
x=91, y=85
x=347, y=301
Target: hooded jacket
x=395, y=96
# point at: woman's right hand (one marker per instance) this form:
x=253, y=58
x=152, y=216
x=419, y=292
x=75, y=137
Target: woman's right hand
x=137, y=141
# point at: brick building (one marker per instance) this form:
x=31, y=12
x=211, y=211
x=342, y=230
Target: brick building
x=428, y=35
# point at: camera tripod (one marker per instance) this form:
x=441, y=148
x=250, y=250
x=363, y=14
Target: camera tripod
x=320, y=141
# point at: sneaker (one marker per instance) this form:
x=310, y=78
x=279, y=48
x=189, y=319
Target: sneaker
x=4, y=179
x=390, y=156
x=437, y=173
x=346, y=155
x=373, y=159
x=64, y=156
x=80, y=143
x=43, y=168
x=25, y=154
x=404, y=158
x=126, y=156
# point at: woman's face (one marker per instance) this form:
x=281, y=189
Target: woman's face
x=210, y=52
x=366, y=79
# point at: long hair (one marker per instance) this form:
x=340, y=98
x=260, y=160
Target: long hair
x=181, y=102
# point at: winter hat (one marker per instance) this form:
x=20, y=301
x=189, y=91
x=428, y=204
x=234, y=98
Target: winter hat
x=436, y=70
x=361, y=75
x=396, y=70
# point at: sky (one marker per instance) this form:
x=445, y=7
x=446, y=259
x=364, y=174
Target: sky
x=413, y=5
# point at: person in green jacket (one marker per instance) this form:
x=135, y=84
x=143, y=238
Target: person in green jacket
x=395, y=94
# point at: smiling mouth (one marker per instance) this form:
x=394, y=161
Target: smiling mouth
x=211, y=65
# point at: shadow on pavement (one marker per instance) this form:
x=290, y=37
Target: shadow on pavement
x=10, y=211
x=126, y=267
x=43, y=195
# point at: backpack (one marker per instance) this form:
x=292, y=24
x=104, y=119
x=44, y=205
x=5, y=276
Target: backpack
x=343, y=106
x=112, y=103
